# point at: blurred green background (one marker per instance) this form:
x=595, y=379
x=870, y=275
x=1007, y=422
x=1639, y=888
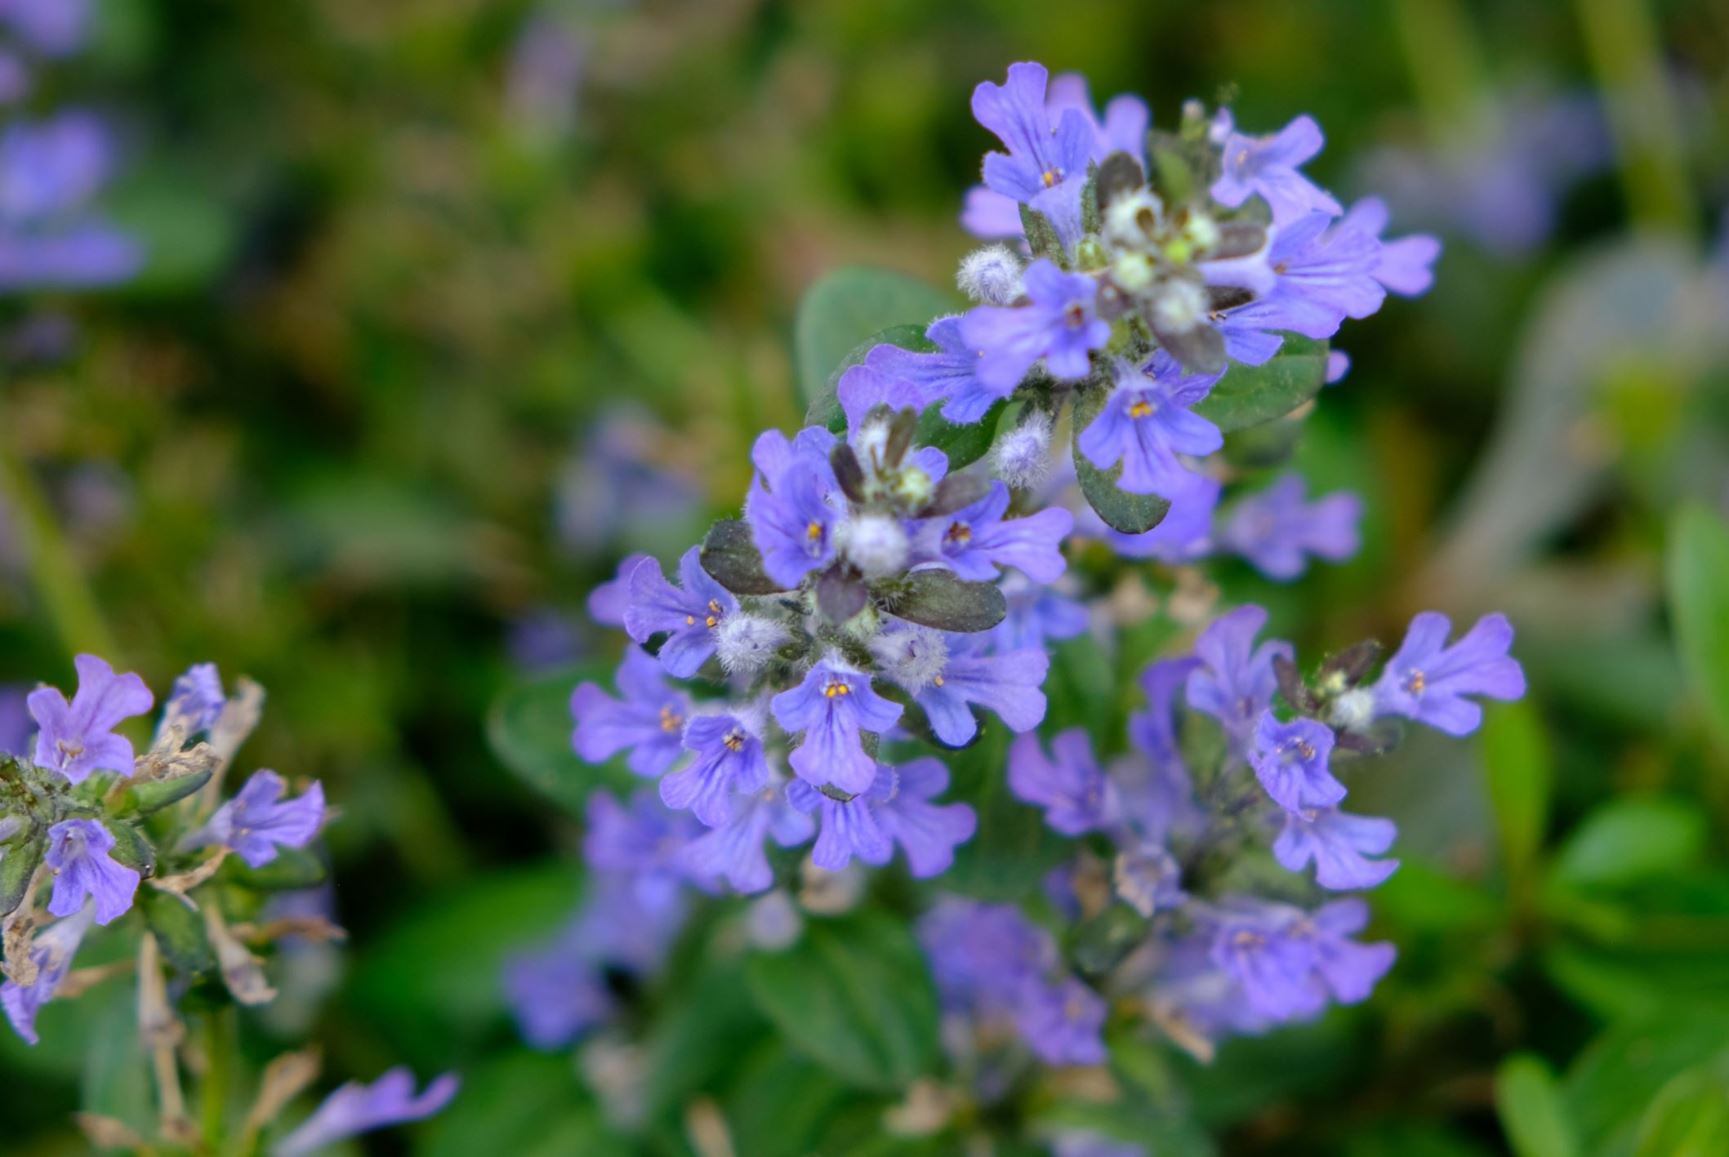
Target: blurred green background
x=357, y=432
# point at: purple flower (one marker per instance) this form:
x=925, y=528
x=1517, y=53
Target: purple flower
x=557, y=994
x=545, y=75
x=197, y=698
x=735, y=852
x=1058, y=324
x=896, y=809
x=1290, y=760
x=1277, y=530
x=78, y=738
x=1146, y=423
x=949, y=374
x=257, y=822
x=1123, y=128
x=1288, y=962
x=1162, y=800
x=948, y=674
x=1267, y=167
x=608, y=601
x=1063, y=1023
x=1350, y=970
x=1427, y=680
x=1184, y=535
x=981, y=954
x=831, y=707
x=643, y=840
x=1326, y=271
x=1406, y=265
x=648, y=720
x=1077, y=795
x=622, y=484
x=543, y=639
x=1071, y=1143
x=976, y=540
x=1338, y=844
x=1236, y=681
x=1148, y=879
x=792, y=517
x=52, y=952
x=78, y=853
x=49, y=27
x=15, y=725
x=1041, y=156
x=990, y=215
x=356, y=1108
x=729, y=760
x=689, y=617
x=48, y=173
x=1037, y=616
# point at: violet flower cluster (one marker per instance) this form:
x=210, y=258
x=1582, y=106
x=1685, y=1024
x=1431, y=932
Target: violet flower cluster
x=97, y=834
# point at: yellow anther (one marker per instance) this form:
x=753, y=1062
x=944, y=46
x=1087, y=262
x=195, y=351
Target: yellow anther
x=1141, y=409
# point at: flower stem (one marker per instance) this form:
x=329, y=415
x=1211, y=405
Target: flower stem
x=59, y=584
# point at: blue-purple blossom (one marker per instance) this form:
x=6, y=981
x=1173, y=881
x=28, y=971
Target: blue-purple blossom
x=77, y=738
x=197, y=697
x=49, y=238
x=51, y=952
x=1148, y=878
x=643, y=840
x=832, y=706
x=1235, y=683
x=647, y=720
x=1406, y=264
x=688, y=614
x=896, y=810
x=1339, y=845
x=1277, y=530
x=1123, y=128
x=1037, y=616
x=557, y=994
x=793, y=509
x=15, y=723
x=1046, y=164
x=1161, y=800
x=948, y=374
x=608, y=601
x=1267, y=167
x=48, y=27
x=544, y=79
x=729, y=760
x=1062, y=1022
x=981, y=954
x=977, y=540
x=1058, y=324
x=1074, y=791
x=1071, y=1143
x=1326, y=269
x=864, y=387
x=1288, y=963
x=735, y=853
x=79, y=856
x=1146, y=423
x=626, y=482
x=1184, y=535
x=948, y=674
x=257, y=823
x=1427, y=681
x=1290, y=760
x=356, y=1108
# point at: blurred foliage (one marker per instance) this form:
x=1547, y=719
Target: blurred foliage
x=322, y=440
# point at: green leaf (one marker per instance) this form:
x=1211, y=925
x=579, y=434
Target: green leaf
x=291, y=870
x=1129, y=513
x=779, y=1103
x=1520, y=774
x=1690, y=1117
x=825, y=408
x=1632, y=839
x=1615, y=1083
x=16, y=867
x=529, y=729
x=1249, y=395
x=699, y=1034
x=847, y=306
x=116, y=1079
x=936, y=598
x=855, y=996
x=521, y=1103
x=730, y=557
x=1042, y=236
x=186, y=236
x=1698, y=576
x=179, y=931
x=963, y=445
x=142, y=799
x=1531, y=1109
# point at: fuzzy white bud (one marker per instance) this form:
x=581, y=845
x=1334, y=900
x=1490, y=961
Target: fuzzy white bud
x=912, y=656
x=1180, y=307
x=991, y=276
x=1354, y=710
x=1133, y=220
x=875, y=543
x=746, y=643
x=1022, y=457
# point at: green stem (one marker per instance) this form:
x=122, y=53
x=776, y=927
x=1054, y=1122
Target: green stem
x=1447, y=70
x=1622, y=41
x=219, y=1031
x=54, y=573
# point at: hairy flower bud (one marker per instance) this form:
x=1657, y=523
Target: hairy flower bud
x=1023, y=456
x=875, y=543
x=912, y=656
x=991, y=276
x=746, y=643
x=1354, y=710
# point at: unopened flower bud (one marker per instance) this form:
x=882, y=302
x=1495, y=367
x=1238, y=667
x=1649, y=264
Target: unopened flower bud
x=1179, y=307
x=1132, y=221
x=746, y=643
x=1023, y=456
x=991, y=276
x=1354, y=710
x=912, y=656
x=875, y=543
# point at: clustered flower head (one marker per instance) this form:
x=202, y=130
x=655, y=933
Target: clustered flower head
x=892, y=592
x=95, y=833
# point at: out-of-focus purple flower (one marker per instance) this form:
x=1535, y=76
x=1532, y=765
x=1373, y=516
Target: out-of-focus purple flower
x=544, y=80
x=621, y=483
x=15, y=724
x=1277, y=530
x=197, y=698
x=735, y=852
x=1123, y=129
x=729, y=761
x=1290, y=760
x=793, y=514
x=1406, y=264
x=77, y=738
x=1148, y=878
x=1427, y=680
x=688, y=614
x=1063, y=1022
x=643, y=840
x=1146, y=423
x=48, y=27
x=647, y=720
x=607, y=602
x=989, y=215
x=896, y=809
x=557, y=994
x=1161, y=801
x=1268, y=167
x=356, y=1108
x=1077, y=1144
x=544, y=639
x=949, y=374
x=949, y=674
x=49, y=172
x=15, y=79
x=1037, y=616
x=1338, y=844
x=976, y=540
x=833, y=704
x=1074, y=791
x=78, y=852
x=1235, y=683
x=52, y=952
x=981, y=954
x=1338, y=365
x=1058, y=324
x=1184, y=535
x=258, y=822
x=1287, y=963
